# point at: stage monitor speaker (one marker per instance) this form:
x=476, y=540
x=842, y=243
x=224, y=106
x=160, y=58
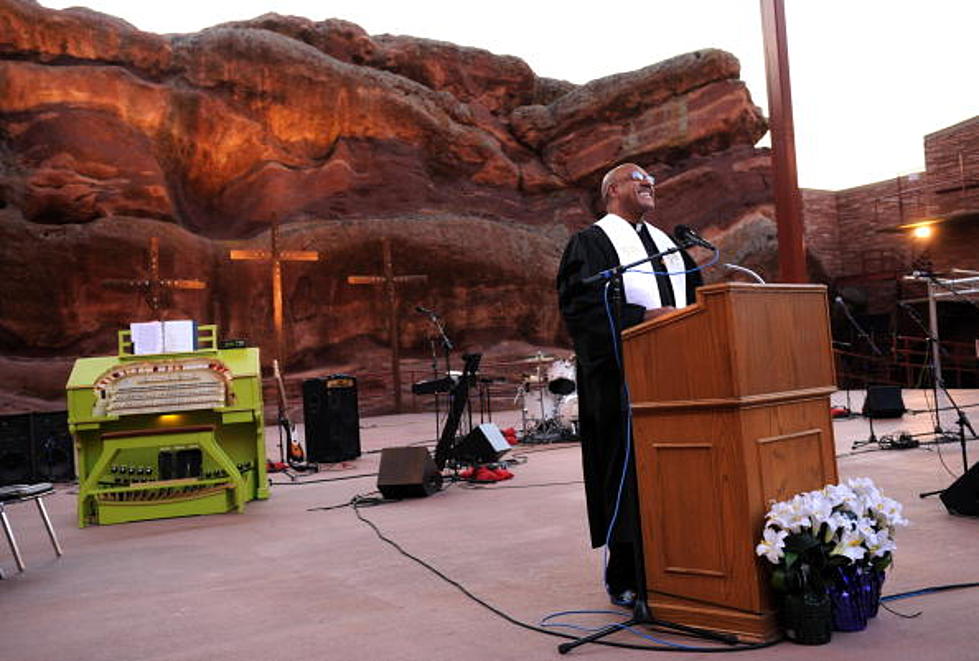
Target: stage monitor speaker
x=962, y=497
x=883, y=402
x=408, y=472
x=54, y=452
x=484, y=444
x=16, y=462
x=332, y=419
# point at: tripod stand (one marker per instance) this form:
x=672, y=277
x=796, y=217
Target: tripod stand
x=641, y=613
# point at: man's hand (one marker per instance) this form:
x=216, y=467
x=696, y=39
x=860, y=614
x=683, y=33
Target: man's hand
x=657, y=312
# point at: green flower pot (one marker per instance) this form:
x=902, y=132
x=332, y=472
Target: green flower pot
x=807, y=618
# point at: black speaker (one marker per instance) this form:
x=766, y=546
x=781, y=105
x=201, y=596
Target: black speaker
x=962, y=497
x=54, y=453
x=883, y=402
x=331, y=418
x=484, y=444
x=16, y=462
x=407, y=472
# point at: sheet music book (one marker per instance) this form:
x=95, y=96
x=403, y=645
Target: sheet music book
x=154, y=337
x=179, y=336
x=147, y=337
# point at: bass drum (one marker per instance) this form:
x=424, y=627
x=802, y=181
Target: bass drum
x=561, y=378
x=538, y=403
x=567, y=412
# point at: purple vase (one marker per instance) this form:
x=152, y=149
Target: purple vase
x=874, y=582
x=847, y=595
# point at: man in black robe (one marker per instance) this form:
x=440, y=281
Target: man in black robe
x=629, y=195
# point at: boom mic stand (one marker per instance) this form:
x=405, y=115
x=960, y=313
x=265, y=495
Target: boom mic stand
x=939, y=383
x=866, y=382
x=640, y=613
x=438, y=336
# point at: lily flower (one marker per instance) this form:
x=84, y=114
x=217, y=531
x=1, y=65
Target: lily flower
x=772, y=545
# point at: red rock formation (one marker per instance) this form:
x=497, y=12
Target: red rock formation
x=476, y=167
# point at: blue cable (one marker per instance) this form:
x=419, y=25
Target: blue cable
x=713, y=260
x=628, y=436
x=545, y=622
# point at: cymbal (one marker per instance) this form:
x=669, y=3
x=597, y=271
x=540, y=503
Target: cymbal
x=539, y=358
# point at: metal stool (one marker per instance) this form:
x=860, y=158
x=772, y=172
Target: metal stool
x=19, y=493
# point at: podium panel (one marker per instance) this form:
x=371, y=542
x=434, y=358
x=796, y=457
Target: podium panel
x=742, y=419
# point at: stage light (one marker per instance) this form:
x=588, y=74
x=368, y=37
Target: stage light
x=922, y=232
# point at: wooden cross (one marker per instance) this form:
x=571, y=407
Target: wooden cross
x=276, y=256
x=155, y=290
x=390, y=280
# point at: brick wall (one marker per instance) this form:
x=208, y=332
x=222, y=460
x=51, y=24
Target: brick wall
x=952, y=164
x=821, y=228
x=854, y=232
x=866, y=217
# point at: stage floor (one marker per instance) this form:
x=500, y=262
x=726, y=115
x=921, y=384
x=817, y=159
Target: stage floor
x=282, y=581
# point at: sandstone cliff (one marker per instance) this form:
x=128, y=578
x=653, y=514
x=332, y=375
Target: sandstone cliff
x=473, y=165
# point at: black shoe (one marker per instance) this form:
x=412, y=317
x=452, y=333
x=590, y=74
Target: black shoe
x=625, y=598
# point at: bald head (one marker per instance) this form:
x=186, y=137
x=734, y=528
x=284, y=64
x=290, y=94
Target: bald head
x=628, y=191
x=614, y=175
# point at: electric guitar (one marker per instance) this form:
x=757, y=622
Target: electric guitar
x=294, y=453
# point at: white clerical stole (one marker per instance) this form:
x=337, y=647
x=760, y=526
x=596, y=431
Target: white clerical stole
x=639, y=282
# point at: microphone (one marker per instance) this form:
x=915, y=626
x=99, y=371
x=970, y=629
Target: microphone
x=687, y=237
x=426, y=311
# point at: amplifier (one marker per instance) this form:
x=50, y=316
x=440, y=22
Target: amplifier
x=331, y=418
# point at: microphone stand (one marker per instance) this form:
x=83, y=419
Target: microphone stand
x=640, y=613
x=866, y=382
x=846, y=389
x=435, y=376
x=962, y=421
x=447, y=347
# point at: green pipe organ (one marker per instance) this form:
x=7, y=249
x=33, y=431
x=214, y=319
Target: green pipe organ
x=166, y=435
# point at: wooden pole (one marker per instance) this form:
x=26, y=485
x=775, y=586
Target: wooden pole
x=788, y=201
x=155, y=288
x=276, y=257
x=395, y=323
x=390, y=281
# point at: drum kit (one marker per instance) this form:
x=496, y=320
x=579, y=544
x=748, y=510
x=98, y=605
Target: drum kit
x=549, y=399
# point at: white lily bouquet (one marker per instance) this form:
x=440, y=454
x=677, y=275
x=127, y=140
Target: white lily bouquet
x=812, y=535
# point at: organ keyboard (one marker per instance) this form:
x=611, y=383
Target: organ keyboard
x=167, y=435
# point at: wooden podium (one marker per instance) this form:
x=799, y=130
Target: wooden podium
x=730, y=405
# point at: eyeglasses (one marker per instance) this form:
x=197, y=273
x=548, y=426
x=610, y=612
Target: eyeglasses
x=636, y=175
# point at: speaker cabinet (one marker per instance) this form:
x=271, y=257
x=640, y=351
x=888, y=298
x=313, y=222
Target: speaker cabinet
x=883, y=402
x=16, y=463
x=962, y=497
x=484, y=444
x=54, y=452
x=331, y=418
x=407, y=472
